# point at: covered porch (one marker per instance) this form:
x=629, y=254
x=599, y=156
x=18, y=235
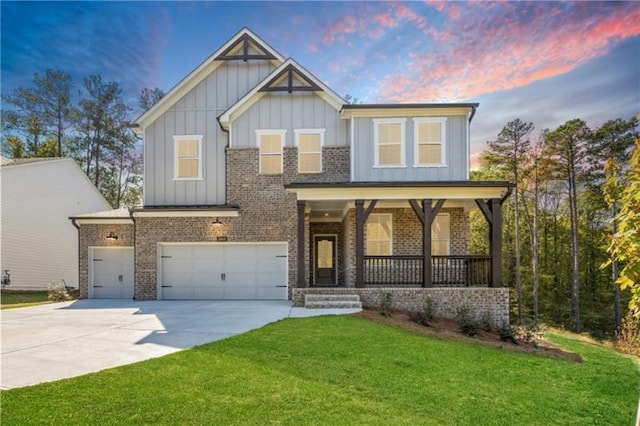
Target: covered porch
x=334, y=249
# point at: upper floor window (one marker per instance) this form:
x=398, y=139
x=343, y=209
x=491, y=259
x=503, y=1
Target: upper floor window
x=310, y=143
x=379, y=232
x=429, y=141
x=441, y=235
x=389, y=142
x=188, y=157
x=271, y=145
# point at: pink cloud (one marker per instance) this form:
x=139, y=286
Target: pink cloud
x=371, y=22
x=501, y=47
x=312, y=48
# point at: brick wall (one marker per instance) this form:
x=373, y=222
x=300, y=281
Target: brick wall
x=94, y=235
x=480, y=301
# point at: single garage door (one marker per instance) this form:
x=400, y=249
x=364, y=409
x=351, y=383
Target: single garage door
x=223, y=271
x=111, y=272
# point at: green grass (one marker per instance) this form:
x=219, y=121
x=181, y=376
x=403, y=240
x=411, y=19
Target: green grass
x=342, y=371
x=17, y=299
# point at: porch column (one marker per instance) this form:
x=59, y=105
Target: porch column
x=427, y=272
x=361, y=218
x=302, y=273
x=496, y=242
x=359, y=243
x=492, y=211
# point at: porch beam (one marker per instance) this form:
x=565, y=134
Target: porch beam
x=360, y=220
x=496, y=241
x=427, y=214
x=301, y=244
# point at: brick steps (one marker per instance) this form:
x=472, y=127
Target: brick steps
x=332, y=301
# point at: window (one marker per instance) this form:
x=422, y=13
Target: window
x=309, y=142
x=389, y=142
x=379, y=232
x=188, y=157
x=429, y=139
x=271, y=144
x=441, y=235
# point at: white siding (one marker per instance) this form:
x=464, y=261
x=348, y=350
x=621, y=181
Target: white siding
x=456, y=157
x=39, y=244
x=196, y=114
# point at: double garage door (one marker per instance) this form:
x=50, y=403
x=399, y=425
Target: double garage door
x=223, y=271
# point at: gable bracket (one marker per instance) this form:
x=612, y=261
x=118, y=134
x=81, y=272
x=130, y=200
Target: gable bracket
x=290, y=88
x=245, y=56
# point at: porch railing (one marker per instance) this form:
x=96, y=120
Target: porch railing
x=447, y=271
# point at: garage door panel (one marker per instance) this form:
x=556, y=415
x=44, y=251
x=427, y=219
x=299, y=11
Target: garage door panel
x=112, y=274
x=224, y=271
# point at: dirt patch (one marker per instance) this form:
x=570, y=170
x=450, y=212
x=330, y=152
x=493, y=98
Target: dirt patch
x=449, y=329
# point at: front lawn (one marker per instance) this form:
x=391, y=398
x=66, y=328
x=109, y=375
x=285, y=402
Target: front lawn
x=341, y=371
x=19, y=298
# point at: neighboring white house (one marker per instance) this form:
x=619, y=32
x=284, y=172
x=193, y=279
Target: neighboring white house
x=38, y=242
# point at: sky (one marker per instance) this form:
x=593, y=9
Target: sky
x=542, y=62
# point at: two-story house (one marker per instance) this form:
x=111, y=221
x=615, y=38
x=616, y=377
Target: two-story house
x=260, y=182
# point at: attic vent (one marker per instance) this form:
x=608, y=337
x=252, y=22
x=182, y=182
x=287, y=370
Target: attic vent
x=284, y=82
x=245, y=48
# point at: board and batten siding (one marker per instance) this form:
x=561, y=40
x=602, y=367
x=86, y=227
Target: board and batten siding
x=298, y=110
x=456, y=157
x=196, y=114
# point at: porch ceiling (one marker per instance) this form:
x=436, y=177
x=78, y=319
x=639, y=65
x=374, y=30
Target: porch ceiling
x=331, y=211
x=401, y=191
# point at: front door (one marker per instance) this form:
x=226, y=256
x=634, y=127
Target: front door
x=325, y=249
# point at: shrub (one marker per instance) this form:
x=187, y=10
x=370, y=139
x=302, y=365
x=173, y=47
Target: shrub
x=467, y=322
x=531, y=333
x=385, y=305
x=506, y=335
x=57, y=292
x=486, y=321
x=427, y=314
x=628, y=338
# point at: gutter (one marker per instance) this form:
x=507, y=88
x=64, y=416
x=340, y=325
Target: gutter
x=504, y=198
x=473, y=112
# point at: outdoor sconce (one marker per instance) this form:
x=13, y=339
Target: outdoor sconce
x=112, y=236
x=216, y=223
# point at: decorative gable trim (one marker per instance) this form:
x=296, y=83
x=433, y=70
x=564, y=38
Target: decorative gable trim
x=202, y=72
x=246, y=40
x=289, y=70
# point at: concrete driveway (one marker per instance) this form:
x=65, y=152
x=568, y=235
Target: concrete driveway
x=51, y=342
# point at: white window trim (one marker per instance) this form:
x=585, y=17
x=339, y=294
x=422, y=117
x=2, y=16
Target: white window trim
x=283, y=134
x=448, y=240
x=390, y=233
x=297, y=133
x=443, y=129
x=176, y=140
x=376, y=158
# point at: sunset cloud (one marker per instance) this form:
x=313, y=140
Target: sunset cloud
x=501, y=47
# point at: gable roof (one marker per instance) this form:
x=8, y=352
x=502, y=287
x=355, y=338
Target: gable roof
x=252, y=46
x=28, y=160
x=288, y=70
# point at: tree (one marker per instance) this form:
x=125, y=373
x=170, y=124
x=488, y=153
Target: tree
x=27, y=118
x=149, y=97
x=54, y=92
x=625, y=244
x=106, y=144
x=41, y=111
x=566, y=149
x=609, y=153
x=509, y=153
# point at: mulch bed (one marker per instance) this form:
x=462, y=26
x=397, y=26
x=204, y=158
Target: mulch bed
x=449, y=329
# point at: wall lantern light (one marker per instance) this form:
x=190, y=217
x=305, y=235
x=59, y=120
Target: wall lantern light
x=217, y=223
x=112, y=236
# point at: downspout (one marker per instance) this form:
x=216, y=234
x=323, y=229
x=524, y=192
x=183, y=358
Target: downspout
x=75, y=224
x=135, y=251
